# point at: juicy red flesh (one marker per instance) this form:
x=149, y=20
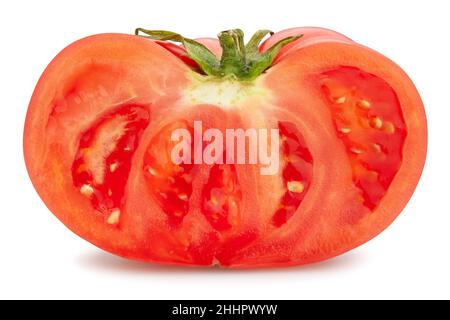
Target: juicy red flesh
x=296, y=172
x=221, y=196
x=369, y=121
x=171, y=184
x=107, y=193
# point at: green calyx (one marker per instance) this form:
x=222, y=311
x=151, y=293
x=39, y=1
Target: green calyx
x=239, y=61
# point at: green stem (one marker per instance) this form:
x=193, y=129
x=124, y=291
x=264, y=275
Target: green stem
x=243, y=62
x=233, y=60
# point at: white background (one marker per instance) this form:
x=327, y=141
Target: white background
x=40, y=258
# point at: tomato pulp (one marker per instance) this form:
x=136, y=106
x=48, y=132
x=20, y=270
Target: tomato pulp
x=350, y=145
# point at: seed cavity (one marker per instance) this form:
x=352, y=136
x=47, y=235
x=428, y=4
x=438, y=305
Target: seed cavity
x=166, y=181
x=223, y=193
x=297, y=173
x=100, y=168
x=378, y=130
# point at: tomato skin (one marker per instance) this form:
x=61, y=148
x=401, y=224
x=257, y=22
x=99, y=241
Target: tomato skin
x=212, y=44
x=98, y=74
x=310, y=36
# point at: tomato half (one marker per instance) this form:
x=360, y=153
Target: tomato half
x=98, y=145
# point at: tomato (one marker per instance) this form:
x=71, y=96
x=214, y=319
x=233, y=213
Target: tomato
x=342, y=126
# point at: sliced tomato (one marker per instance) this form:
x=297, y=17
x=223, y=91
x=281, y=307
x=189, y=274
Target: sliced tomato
x=98, y=146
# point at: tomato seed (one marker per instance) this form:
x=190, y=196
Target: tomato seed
x=114, y=217
x=340, y=100
x=376, y=122
x=364, y=104
x=87, y=190
x=295, y=186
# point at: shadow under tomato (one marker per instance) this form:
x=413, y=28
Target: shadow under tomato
x=102, y=261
